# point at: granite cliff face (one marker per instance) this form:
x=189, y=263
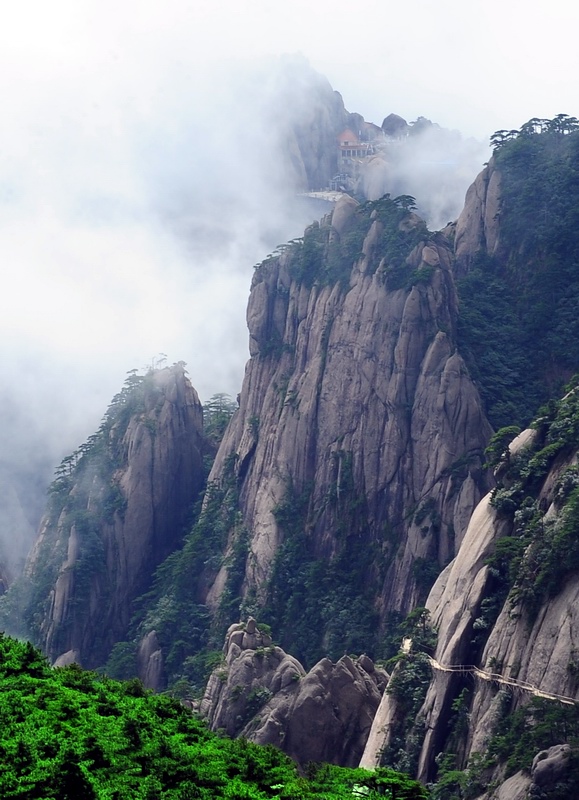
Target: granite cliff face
x=505, y=611
x=314, y=116
x=359, y=433
x=497, y=692
x=534, y=638
x=478, y=226
x=263, y=694
x=308, y=116
x=350, y=489
x=118, y=508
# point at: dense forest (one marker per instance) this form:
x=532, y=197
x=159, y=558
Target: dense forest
x=70, y=733
x=67, y=734
x=520, y=305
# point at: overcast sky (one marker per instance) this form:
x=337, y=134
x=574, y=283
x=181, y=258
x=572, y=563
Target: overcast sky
x=120, y=141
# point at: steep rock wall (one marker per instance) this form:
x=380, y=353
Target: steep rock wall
x=311, y=140
x=308, y=116
x=506, y=616
x=357, y=417
x=478, y=226
x=455, y=603
x=117, y=514
x=522, y=546
x=516, y=245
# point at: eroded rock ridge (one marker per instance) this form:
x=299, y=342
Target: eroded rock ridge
x=265, y=695
x=360, y=434
x=117, y=509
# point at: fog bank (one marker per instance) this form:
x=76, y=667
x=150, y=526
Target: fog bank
x=133, y=206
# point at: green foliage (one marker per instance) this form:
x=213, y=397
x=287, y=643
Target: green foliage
x=85, y=495
x=185, y=628
x=493, y=340
x=408, y=684
x=498, y=446
x=255, y=700
x=325, y=258
x=122, y=661
x=552, y=555
x=263, y=628
x=410, y=678
x=66, y=734
x=217, y=412
x=423, y=275
x=534, y=560
x=567, y=481
x=383, y=782
x=455, y=784
x=398, y=240
x=319, y=606
x=230, y=601
x=308, y=255
x=563, y=428
x=519, y=321
x=425, y=571
x=451, y=782
x=535, y=726
x=274, y=346
x=418, y=627
x=538, y=193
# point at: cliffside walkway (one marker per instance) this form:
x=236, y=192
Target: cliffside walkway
x=382, y=720
x=495, y=677
x=327, y=195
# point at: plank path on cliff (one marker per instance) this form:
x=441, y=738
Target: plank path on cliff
x=495, y=677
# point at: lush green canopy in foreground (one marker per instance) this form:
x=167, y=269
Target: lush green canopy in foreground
x=66, y=733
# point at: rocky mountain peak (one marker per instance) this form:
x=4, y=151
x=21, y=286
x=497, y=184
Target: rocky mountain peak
x=118, y=507
x=265, y=695
x=359, y=436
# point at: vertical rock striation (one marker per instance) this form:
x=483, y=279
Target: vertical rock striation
x=117, y=510
x=506, y=616
x=478, y=226
x=358, y=421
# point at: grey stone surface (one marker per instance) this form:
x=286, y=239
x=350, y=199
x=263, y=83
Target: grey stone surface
x=367, y=374
x=265, y=695
x=160, y=476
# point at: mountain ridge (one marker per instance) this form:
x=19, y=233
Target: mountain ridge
x=349, y=502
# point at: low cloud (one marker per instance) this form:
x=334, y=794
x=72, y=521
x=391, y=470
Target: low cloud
x=137, y=191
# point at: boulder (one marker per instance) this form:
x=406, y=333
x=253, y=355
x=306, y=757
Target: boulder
x=265, y=695
x=551, y=765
